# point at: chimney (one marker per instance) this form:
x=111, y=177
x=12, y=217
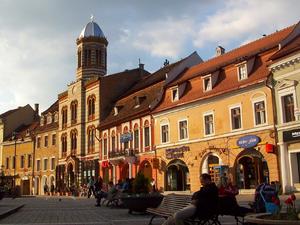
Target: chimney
x=141, y=65
x=220, y=50
x=36, y=108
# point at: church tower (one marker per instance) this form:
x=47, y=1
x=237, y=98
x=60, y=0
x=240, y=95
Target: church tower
x=91, y=52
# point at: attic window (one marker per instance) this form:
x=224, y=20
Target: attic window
x=242, y=71
x=42, y=121
x=49, y=119
x=27, y=132
x=207, y=84
x=175, y=94
x=138, y=100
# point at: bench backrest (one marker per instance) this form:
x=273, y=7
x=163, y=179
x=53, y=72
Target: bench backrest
x=174, y=202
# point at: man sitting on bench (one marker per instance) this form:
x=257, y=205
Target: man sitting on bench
x=204, y=203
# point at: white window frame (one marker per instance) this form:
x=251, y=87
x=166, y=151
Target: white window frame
x=281, y=94
x=164, y=123
x=176, y=97
x=230, y=117
x=56, y=117
x=208, y=77
x=51, y=165
x=150, y=131
x=111, y=141
x=187, y=129
x=107, y=143
x=256, y=100
x=49, y=118
x=214, y=128
x=238, y=71
x=42, y=121
x=133, y=139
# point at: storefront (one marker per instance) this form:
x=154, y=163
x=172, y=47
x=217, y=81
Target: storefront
x=90, y=168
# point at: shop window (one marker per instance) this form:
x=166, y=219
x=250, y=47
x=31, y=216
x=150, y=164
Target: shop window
x=183, y=130
x=260, y=113
x=209, y=124
x=236, y=122
x=164, y=133
x=288, y=108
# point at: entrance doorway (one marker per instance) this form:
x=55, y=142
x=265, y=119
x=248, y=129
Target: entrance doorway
x=71, y=175
x=177, y=176
x=251, y=170
x=25, y=187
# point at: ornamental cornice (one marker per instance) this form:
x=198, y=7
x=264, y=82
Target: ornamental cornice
x=285, y=63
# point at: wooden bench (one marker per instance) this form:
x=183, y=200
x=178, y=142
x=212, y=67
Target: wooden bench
x=174, y=202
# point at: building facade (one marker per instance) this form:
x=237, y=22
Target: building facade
x=222, y=123
x=285, y=68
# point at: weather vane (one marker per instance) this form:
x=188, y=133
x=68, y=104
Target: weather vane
x=92, y=18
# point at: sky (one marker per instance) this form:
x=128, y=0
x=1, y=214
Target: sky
x=38, y=37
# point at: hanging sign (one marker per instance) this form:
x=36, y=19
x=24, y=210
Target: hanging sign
x=248, y=141
x=126, y=137
x=291, y=135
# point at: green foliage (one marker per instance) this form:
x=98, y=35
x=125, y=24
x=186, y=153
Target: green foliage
x=141, y=184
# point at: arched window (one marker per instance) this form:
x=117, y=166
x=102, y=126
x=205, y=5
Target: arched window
x=73, y=141
x=64, y=113
x=105, y=144
x=74, y=112
x=91, y=107
x=64, y=145
x=146, y=134
x=136, y=136
x=113, y=141
x=91, y=139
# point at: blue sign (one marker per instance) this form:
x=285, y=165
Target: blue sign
x=248, y=141
x=126, y=137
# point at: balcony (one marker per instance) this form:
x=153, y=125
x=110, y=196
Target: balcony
x=123, y=153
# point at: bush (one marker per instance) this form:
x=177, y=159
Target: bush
x=141, y=184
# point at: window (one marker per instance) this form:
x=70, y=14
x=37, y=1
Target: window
x=146, y=134
x=64, y=117
x=136, y=138
x=105, y=146
x=113, y=141
x=49, y=119
x=45, y=164
x=38, y=165
x=38, y=142
x=7, y=163
x=236, y=122
x=260, y=113
x=288, y=108
x=42, y=121
x=242, y=71
x=73, y=141
x=64, y=145
x=52, y=166
x=55, y=117
x=207, y=83
x=165, y=133
x=209, y=124
x=175, y=94
x=14, y=162
x=29, y=161
x=22, y=161
x=91, y=140
x=183, y=132
x=91, y=107
x=98, y=57
x=53, y=139
x=74, y=112
x=46, y=141
x=79, y=59
x=87, y=57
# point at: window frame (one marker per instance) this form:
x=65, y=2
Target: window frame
x=204, y=78
x=168, y=132
x=45, y=165
x=176, y=97
x=46, y=141
x=241, y=117
x=179, y=129
x=209, y=113
x=240, y=65
x=255, y=101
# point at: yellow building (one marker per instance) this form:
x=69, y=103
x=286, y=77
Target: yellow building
x=218, y=118
x=46, y=151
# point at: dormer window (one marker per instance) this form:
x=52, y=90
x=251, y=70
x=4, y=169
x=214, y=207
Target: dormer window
x=55, y=117
x=175, y=94
x=207, y=84
x=116, y=110
x=42, y=121
x=242, y=71
x=49, y=119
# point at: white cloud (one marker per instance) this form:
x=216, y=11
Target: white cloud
x=242, y=20
x=164, y=37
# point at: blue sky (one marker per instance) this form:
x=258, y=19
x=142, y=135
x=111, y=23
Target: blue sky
x=38, y=37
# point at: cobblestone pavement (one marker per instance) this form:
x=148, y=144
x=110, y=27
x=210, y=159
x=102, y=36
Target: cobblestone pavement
x=80, y=211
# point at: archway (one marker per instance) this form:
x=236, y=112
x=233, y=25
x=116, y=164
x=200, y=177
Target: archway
x=71, y=175
x=44, y=185
x=146, y=169
x=177, y=176
x=37, y=186
x=251, y=169
x=212, y=165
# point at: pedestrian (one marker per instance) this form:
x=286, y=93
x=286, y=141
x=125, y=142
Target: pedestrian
x=223, y=180
x=204, y=203
x=46, y=189
x=98, y=190
x=152, y=183
x=52, y=188
x=91, y=187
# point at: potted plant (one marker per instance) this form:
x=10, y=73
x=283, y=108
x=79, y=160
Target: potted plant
x=139, y=198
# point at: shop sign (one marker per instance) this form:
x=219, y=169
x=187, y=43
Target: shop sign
x=175, y=153
x=126, y=137
x=105, y=164
x=291, y=135
x=248, y=141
